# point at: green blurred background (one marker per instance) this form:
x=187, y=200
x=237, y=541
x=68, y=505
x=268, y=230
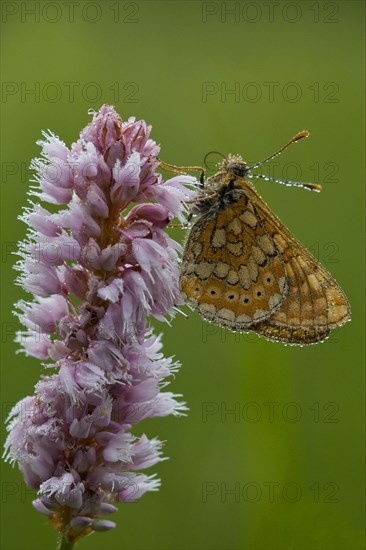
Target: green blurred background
x=286, y=470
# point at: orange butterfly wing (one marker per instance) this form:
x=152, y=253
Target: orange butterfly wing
x=232, y=272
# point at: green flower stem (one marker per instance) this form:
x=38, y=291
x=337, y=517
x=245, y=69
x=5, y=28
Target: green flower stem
x=65, y=543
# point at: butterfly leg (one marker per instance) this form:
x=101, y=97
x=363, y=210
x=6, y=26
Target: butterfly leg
x=202, y=178
x=189, y=217
x=202, y=199
x=178, y=225
x=181, y=169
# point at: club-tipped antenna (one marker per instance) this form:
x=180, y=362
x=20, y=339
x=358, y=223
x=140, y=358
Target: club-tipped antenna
x=298, y=136
x=289, y=183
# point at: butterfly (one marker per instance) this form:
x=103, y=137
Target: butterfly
x=244, y=270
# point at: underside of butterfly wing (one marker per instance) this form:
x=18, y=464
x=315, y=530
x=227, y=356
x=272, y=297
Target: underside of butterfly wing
x=232, y=272
x=314, y=303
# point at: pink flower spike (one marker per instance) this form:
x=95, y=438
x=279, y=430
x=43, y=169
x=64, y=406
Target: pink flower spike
x=98, y=266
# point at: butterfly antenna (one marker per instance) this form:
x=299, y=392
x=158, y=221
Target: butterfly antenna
x=310, y=186
x=289, y=183
x=298, y=136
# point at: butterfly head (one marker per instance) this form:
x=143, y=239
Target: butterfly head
x=235, y=165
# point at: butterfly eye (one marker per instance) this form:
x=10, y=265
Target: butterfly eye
x=238, y=169
x=246, y=300
x=259, y=294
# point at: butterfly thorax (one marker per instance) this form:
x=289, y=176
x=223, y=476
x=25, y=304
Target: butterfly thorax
x=223, y=188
